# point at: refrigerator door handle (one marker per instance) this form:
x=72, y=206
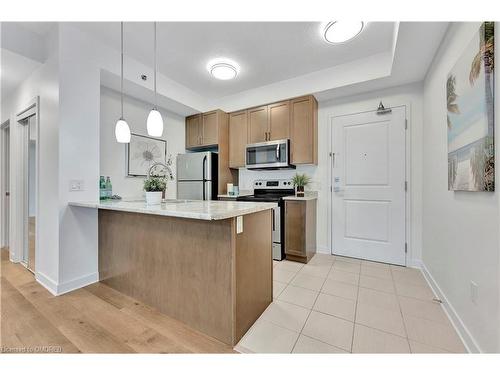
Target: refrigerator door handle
x=204, y=176
x=274, y=219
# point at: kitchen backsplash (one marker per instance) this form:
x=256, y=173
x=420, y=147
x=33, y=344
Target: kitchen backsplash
x=247, y=177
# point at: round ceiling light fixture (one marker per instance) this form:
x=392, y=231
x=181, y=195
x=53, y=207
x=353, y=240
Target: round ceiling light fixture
x=223, y=69
x=336, y=32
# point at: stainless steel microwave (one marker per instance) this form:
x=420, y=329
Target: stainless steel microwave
x=268, y=155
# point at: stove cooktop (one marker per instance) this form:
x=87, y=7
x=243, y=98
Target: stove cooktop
x=269, y=191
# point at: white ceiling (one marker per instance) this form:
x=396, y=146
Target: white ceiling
x=267, y=52
x=278, y=59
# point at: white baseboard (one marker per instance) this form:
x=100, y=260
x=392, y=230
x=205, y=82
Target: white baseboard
x=323, y=249
x=58, y=289
x=46, y=282
x=464, y=334
x=78, y=283
x=414, y=263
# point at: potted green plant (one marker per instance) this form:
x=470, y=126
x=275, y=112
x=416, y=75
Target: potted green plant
x=154, y=187
x=300, y=181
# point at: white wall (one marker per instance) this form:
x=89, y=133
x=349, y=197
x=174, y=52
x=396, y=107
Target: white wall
x=43, y=82
x=112, y=154
x=460, y=229
x=409, y=95
x=79, y=87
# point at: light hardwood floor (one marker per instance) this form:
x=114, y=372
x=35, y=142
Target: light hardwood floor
x=94, y=319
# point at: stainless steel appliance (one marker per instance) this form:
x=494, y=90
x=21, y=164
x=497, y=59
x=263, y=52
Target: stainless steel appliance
x=273, y=191
x=268, y=155
x=197, y=176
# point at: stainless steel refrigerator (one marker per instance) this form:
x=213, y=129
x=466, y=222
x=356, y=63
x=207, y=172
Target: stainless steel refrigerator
x=197, y=176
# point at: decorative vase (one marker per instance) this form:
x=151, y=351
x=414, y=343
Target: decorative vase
x=300, y=191
x=153, y=197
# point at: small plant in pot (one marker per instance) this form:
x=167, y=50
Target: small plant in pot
x=154, y=187
x=300, y=181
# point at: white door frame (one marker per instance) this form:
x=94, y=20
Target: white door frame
x=408, y=223
x=19, y=203
x=3, y=173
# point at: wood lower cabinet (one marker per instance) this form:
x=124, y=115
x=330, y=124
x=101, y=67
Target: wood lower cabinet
x=193, y=131
x=304, y=130
x=300, y=229
x=279, y=121
x=237, y=138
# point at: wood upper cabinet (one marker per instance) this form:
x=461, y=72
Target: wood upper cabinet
x=279, y=121
x=210, y=128
x=300, y=229
x=193, y=131
x=304, y=130
x=258, y=124
x=237, y=138
x=202, y=130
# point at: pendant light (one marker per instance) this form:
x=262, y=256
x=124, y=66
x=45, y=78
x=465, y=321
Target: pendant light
x=122, y=130
x=155, y=121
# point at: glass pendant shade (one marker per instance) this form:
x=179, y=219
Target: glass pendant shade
x=155, y=123
x=122, y=131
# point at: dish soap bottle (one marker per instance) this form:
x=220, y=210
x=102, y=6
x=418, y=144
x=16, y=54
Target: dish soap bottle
x=102, y=188
x=109, y=188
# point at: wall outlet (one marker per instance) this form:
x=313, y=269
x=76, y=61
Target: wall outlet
x=76, y=185
x=473, y=292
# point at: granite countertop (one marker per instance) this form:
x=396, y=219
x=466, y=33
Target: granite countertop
x=308, y=196
x=191, y=209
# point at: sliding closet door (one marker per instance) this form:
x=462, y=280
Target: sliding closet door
x=31, y=180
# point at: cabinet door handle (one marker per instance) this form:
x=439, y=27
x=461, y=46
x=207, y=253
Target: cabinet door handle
x=269, y=136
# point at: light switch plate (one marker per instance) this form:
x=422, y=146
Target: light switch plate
x=239, y=224
x=76, y=185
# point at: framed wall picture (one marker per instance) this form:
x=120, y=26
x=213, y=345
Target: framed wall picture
x=142, y=152
x=470, y=115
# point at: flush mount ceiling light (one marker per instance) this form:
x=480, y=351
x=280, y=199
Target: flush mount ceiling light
x=155, y=121
x=341, y=31
x=223, y=69
x=122, y=130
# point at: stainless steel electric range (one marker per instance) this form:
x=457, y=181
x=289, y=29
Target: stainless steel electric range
x=273, y=191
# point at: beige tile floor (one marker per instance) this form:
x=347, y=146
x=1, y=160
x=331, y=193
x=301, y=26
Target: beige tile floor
x=344, y=305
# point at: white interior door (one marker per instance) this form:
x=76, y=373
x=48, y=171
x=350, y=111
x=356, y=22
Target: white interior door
x=369, y=169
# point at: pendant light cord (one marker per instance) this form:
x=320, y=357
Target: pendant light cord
x=121, y=81
x=155, y=67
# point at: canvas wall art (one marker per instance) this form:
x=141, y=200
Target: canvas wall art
x=470, y=108
x=142, y=152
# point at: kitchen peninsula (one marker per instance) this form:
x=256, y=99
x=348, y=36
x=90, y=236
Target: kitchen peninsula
x=205, y=263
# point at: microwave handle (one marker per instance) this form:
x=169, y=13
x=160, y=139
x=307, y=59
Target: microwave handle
x=278, y=152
